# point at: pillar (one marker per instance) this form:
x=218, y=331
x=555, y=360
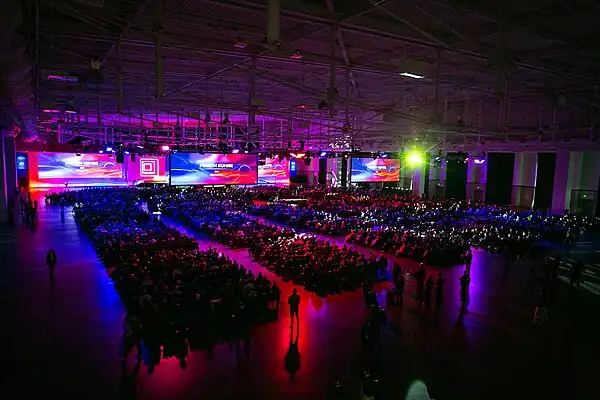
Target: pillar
x=406, y=175
x=476, y=178
x=418, y=180
x=437, y=178
x=8, y=171
x=576, y=182
x=524, y=180
x=333, y=177
x=561, y=179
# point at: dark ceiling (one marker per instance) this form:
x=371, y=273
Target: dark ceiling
x=496, y=70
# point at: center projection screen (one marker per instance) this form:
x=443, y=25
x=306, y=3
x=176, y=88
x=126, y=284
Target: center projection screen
x=213, y=169
x=274, y=172
x=379, y=170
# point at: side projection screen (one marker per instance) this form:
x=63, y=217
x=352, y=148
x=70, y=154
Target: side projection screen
x=379, y=170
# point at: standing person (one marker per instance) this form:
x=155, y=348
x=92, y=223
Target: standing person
x=465, y=281
x=51, y=261
x=400, y=283
x=468, y=259
x=439, y=291
x=396, y=271
x=294, y=303
x=428, y=288
x=420, y=277
x=577, y=273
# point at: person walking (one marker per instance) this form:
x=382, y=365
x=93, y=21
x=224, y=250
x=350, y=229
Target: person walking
x=294, y=303
x=51, y=262
x=399, y=284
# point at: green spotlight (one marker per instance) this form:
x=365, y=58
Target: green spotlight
x=415, y=158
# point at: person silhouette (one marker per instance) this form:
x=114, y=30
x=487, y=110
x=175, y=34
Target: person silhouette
x=51, y=262
x=294, y=303
x=292, y=358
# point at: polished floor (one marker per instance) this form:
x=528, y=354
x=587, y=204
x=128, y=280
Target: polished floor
x=62, y=339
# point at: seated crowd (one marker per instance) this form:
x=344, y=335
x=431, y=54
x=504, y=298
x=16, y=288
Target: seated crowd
x=161, y=274
x=218, y=218
x=437, y=232
x=317, y=265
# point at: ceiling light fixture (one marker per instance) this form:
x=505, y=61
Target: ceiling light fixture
x=410, y=75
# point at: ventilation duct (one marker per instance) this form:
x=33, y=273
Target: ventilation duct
x=16, y=71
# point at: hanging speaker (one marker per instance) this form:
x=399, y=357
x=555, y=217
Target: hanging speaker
x=322, y=177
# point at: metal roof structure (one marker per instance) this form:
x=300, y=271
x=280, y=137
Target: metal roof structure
x=371, y=74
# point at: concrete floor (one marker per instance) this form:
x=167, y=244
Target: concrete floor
x=63, y=338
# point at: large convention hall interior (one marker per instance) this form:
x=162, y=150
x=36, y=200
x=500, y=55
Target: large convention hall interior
x=300, y=199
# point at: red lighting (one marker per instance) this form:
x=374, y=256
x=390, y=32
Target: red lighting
x=301, y=106
x=298, y=155
x=51, y=111
x=296, y=56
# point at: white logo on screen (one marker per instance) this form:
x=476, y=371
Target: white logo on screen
x=148, y=166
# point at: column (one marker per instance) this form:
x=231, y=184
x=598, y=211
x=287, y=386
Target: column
x=3, y=185
x=8, y=171
x=418, y=180
x=524, y=179
x=406, y=175
x=576, y=186
x=561, y=179
x=476, y=178
x=333, y=177
x=437, y=178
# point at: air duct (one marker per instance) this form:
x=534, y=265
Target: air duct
x=16, y=70
x=273, y=23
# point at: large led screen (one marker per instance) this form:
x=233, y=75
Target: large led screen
x=48, y=170
x=274, y=172
x=379, y=170
x=213, y=169
x=146, y=169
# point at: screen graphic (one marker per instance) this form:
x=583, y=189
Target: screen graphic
x=379, y=170
x=274, y=172
x=48, y=170
x=213, y=169
x=146, y=169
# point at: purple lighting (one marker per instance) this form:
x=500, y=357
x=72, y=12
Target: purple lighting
x=62, y=78
x=479, y=160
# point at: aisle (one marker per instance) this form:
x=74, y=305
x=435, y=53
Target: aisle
x=328, y=328
x=67, y=334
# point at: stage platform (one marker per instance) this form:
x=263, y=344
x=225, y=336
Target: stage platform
x=67, y=335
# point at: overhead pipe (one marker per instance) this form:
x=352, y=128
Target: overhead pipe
x=119, y=76
x=158, y=50
x=251, y=95
x=273, y=23
x=436, y=88
x=331, y=92
x=343, y=48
